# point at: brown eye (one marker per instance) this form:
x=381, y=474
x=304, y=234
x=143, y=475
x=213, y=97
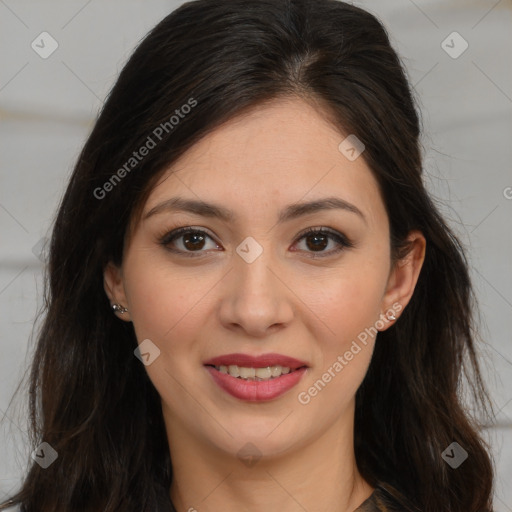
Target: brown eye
x=193, y=241
x=316, y=241
x=188, y=240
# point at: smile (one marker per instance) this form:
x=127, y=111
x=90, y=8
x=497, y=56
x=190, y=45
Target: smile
x=255, y=378
x=257, y=374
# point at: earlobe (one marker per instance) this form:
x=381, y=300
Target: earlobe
x=403, y=278
x=113, y=284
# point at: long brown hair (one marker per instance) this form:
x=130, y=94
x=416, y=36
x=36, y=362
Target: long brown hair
x=92, y=400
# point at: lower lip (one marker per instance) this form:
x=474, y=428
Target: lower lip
x=256, y=390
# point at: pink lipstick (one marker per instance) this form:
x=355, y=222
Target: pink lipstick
x=256, y=378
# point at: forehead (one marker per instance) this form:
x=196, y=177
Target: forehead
x=280, y=153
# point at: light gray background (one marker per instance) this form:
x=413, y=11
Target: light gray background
x=48, y=106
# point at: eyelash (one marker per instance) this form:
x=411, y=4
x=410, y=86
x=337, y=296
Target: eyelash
x=342, y=241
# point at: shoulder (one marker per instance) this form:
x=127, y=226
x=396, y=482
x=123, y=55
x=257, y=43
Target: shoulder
x=386, y=498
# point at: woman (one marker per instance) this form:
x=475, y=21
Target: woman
x=253, y=302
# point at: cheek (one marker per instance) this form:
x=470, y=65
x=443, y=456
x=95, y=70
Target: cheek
x=349, y=300
x=161, y=300
x=349, y=305
x=169, y=309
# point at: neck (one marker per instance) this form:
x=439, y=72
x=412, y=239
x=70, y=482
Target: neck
x=317, y=475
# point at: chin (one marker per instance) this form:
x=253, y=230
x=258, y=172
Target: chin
x=255, y=443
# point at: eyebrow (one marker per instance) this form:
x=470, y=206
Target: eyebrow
x=292, y=211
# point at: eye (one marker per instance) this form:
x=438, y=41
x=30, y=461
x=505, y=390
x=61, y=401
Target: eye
x=317, y=239
x=190, y=240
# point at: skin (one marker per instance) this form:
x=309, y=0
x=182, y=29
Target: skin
x=195, y=308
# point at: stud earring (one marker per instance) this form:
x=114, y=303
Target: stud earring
x=117, y=308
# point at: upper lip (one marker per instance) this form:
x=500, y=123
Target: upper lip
x=261, y=361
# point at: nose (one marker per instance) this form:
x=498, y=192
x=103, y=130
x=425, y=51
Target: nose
x=256, y=300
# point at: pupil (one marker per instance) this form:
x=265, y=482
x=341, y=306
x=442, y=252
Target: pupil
x=194, y=244
x=316, y=244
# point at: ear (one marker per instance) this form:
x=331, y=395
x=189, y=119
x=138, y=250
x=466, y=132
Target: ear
x=113, y=283
x=402, y=279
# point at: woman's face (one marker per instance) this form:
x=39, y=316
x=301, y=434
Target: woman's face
x=255, y=283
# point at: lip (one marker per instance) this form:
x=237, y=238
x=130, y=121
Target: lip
x=256, y=391
x=261, y=361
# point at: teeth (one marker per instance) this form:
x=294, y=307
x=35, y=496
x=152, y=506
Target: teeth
x=245, y=373
x=232, y=370
x=241, y=372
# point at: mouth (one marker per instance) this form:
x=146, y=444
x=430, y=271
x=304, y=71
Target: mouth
x=256, y=378
x=255, y=374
